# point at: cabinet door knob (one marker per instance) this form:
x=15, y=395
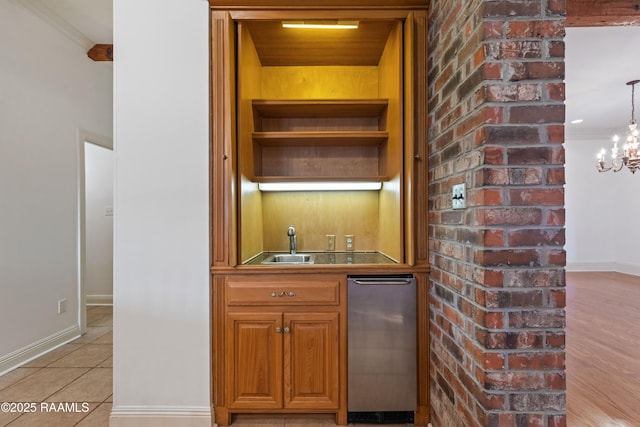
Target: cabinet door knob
x=287, y=330
x=291, y=294
x=417, y=157
x=278, y=329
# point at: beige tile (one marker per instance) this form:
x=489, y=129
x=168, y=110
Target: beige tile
x=94, y=386
x=107, y=363
x=105, y=339
x=99, y=417
x=103, y=309
x=40, y=385
x=16, y=375
x=87, y=356
x=7, y=417
x=105, y=321
x=51, y=418
x=93, y=333
x=52, y=356
x=248, y=420
x=99, y=319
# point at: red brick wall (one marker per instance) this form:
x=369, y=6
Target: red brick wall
x=497, y=279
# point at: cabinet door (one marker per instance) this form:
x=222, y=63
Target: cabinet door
x=254, y=360
x=311, y=371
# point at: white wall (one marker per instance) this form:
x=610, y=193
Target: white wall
x=591, y=213
x=161, y=277
x=598, y=205
x=98, y=176
x=48, y=90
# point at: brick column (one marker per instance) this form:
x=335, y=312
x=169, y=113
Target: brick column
x=497, y=278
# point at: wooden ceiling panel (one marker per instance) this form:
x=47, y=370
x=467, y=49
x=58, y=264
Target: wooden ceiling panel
x=589, y=13
x=277, y=46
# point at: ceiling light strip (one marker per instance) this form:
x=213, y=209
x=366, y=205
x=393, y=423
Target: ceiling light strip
x=339, y=25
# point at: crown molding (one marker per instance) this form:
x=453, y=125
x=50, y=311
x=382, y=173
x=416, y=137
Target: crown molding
x=44, y=12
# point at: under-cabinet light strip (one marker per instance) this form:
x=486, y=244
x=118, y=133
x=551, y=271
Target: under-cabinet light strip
x=339, y=25
x=318, y=186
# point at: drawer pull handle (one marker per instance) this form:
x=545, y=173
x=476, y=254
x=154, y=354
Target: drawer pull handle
x=283, y=294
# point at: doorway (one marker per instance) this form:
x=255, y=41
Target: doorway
x=96, y=223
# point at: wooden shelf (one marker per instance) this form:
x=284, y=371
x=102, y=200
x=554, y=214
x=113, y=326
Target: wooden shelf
x=316, y=108
x=327, y=139
x=319, y=140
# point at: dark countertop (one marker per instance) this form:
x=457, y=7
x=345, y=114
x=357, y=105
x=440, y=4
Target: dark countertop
x=328, y=258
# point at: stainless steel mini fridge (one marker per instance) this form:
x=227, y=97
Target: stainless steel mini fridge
x=382, y=349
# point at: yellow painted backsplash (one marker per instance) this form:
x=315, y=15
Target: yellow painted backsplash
x=316, y=214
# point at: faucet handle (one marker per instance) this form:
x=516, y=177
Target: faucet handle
x=291, y=231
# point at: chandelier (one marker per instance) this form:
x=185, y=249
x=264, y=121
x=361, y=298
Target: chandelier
x=629, y=156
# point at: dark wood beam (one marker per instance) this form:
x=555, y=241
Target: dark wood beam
x=601, y=13
x=101, y=52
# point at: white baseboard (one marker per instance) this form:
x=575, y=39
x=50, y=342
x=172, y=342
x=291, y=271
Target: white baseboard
x=632, y=269
x=37, y=349
x=144, y=416
x=99, y=299
x=590, y=266
x=617, y=267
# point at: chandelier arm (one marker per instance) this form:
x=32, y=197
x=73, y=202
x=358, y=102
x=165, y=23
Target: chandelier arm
x=630, y=157
x=633, y=83
x=633, y=104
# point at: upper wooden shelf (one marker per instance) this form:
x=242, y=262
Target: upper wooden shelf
x=319, y=108
x=349, y=138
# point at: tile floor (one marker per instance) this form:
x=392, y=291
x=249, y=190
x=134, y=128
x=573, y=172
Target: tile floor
x=82, y=371
x=78, y=372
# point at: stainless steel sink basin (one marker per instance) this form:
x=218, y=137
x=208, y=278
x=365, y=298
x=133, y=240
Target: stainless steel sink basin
x=289, y=259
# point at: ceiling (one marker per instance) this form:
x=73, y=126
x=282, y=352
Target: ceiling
x=599, y=61
x=93, y=18
x=277, y=46
x=86, y=22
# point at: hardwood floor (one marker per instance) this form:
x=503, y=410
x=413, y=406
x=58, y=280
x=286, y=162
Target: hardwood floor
x=603, y=350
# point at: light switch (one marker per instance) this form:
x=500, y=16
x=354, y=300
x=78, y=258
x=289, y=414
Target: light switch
x=458, y=196
x=331, y=242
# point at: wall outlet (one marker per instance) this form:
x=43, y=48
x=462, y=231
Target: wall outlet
x=458, y=196
x=62, y=305
x=331, y=242
x=349, y=242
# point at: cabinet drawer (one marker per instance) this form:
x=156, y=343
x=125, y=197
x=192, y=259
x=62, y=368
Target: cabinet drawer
x=279, y=292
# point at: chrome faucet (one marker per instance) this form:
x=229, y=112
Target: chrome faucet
x=291, y=232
